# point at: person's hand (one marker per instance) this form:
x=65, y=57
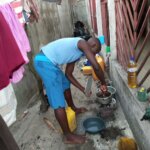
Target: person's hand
x=85, y=93
x=88, y=94
x=103, y=88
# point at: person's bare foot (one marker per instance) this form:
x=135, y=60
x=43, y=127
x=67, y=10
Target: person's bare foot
x=80, y=110
x=74, y=139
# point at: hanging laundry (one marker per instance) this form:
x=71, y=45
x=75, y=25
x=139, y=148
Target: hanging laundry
x=17, y=75
x=17, y=6
x=31, y=10
x=10, y=56
x=8, y=104
x=20, y=37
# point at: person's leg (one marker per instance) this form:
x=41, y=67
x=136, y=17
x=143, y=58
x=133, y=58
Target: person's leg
x=68, y=97
x=39, y=66
x=52, y=80
x=57, y=102
x=70, y=138
x=44, y=103
x=44, y=100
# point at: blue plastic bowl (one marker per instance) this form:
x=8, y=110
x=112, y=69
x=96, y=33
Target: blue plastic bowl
x=94, y=125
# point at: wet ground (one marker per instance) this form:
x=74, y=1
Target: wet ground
x=32, y=133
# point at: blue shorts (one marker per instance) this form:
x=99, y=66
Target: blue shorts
x=54, y=80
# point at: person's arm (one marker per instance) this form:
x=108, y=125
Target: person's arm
x=85, y=47
x=69, y=74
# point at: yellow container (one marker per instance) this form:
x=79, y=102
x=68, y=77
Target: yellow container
x=132, y=73
x=87, y=70
x=71, y=117
x=102, y=65
x=127, y=144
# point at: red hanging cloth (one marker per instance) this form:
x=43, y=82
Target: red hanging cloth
x=10, y=56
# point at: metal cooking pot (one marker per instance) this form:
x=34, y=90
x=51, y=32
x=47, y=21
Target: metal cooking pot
x=104, y=100
x=112, y=90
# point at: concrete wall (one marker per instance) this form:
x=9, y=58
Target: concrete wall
x=112, y=23
x=132, y=107
x=55, y=22
x=99, y=17
x=79, y=11
x=112, y=28
x=88, y=15
x=64, y=11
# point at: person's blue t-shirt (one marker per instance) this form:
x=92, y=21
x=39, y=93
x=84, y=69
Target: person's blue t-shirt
x=63, y=51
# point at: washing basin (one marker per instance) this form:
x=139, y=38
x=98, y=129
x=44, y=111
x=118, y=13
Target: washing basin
x=94, y=124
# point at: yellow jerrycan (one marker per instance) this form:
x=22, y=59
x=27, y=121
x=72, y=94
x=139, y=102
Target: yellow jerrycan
x=102, y=65
x=126, y=143
x=71, y=117
x=87, y=70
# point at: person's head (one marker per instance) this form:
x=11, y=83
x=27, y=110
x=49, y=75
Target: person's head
x=95, y=45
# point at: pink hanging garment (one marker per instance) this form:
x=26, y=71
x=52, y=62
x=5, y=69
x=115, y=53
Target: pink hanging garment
x=10, y=56
x=20, y=37
x=18, y=8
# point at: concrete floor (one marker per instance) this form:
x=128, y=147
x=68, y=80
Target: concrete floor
x=31, y=132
